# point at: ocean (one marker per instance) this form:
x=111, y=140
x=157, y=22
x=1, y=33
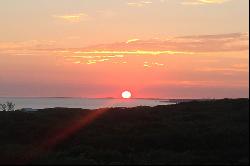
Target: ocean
x=41, y=103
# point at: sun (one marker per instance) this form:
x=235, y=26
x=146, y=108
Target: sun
x=126, y=94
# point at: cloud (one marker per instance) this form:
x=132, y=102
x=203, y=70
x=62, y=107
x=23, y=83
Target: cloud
x=31, y=44
x=184, y=45
x=30, y=47
x=73, y=17
x=177, y=45
x=139, y=3
x=203, y=2
x=132, y=40
x=137, y=52
x=226, y=70
x=214, y=43
x=91, y=59
x=97, y=56
x=152, y=64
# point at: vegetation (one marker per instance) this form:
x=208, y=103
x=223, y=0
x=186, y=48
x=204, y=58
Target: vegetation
x=8, y=106
x=199, y=132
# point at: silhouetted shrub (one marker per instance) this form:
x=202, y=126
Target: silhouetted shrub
x=8, y=106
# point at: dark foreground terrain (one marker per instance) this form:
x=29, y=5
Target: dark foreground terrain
x=204, y=132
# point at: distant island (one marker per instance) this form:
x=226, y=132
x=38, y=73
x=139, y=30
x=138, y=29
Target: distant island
x=191, y=132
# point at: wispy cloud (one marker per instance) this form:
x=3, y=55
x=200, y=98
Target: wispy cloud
x=177, y=45
x=27, y=45
x=138, y=52
x=92, y=59
x=186, y=45
x=152, y=64
x=132, y=40
x=78, y=17
x=214, y=43
x=97, y=56
x=118, y=52
x=139, y=3
x=235, y=68
x=202, y=2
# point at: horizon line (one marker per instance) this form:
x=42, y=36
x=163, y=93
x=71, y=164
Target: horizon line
x=149, y=98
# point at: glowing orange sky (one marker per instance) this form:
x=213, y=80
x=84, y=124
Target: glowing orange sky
x=92, y=48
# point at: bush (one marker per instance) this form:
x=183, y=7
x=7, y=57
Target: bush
x=8, y=106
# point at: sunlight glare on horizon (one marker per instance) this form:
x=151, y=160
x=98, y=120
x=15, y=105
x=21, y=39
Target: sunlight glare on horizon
x=126, y=95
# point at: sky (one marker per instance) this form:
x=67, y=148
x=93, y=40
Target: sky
x=153, y=48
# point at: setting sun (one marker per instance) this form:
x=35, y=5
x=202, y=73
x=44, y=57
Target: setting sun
x=126, y=94
x=124, y=81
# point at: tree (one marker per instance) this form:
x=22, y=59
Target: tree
x=3, y=107
x=11, y=106
x=8, y=106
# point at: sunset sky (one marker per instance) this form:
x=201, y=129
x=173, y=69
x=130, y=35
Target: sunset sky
x=99, y=48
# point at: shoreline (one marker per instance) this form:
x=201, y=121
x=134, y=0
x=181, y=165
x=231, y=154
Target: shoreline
x=175, y=102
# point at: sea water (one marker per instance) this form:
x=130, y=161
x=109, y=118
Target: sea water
x=85, y=103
